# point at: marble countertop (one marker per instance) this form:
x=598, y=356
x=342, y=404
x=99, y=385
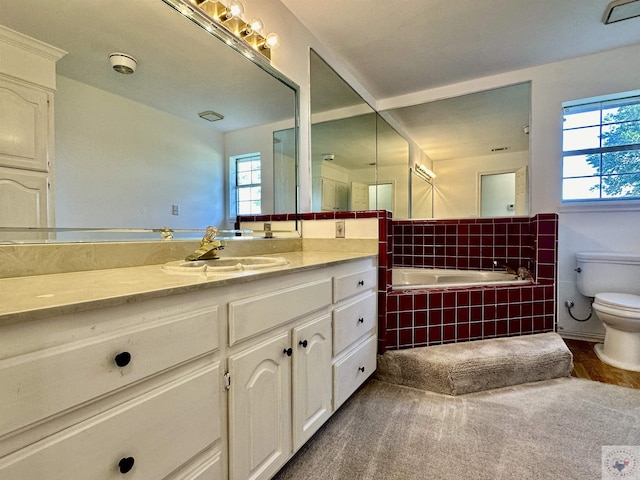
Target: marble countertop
x=30, y=298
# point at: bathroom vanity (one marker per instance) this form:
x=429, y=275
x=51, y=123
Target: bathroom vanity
x=138, y=373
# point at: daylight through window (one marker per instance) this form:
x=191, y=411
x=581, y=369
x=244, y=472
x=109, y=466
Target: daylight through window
x=248, y=185
x=601, y=150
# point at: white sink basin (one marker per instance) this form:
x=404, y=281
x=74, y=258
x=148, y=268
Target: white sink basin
x=223, y=265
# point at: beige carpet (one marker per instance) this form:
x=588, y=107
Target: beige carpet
x=460, y=368
x=552, y=430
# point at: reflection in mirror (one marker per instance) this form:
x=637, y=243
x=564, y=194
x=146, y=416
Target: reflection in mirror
x=132, y=151
x=466, y=138
x=420, y=195
x=343, y=143
x=392, y=183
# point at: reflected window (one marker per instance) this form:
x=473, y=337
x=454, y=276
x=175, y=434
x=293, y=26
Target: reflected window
x=601, y=149
x=248, y=191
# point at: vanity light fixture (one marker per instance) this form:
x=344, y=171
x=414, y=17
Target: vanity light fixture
x=619, y=10
x=425, y=171
x=215, y=15
x=211, y=116
x=328, y=157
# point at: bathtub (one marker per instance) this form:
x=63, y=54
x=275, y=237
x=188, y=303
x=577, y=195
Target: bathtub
x=423, y=278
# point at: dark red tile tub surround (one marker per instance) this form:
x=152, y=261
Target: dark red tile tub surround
x=431, y=317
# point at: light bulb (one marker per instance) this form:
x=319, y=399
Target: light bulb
x=236, y=8
x=255, y=26
x=272, y=41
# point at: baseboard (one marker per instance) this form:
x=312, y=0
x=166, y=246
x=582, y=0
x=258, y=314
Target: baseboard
x=587, y=337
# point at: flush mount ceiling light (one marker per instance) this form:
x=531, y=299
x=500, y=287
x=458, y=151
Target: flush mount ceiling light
x=123, y=63
x=211, y=116
x=226, y=21
x=328, y=157
x=619, y=10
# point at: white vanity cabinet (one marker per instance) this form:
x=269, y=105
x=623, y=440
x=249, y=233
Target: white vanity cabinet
x=124, y=392
x=282, y=365
x=225, y=382
x=280, y=386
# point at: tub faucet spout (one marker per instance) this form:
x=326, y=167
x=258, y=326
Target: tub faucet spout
x=209, y=246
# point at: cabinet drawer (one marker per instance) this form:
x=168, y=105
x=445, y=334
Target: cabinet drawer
x=160, y=431
x=254, y=315
x=353, y=321
x=42, y=383
x=352, y=370
x=349, y=285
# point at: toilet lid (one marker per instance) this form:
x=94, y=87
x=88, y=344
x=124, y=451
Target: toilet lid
x=623, y=301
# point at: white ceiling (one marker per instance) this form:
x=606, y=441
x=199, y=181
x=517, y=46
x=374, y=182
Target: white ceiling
x=405, y=46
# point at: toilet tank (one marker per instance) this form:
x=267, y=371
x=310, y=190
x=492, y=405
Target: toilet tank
x=600, y=272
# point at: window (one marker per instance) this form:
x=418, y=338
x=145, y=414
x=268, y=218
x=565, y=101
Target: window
x=601, y=150
x=248, y=185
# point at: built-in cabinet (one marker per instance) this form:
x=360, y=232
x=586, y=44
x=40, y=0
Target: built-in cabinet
x=225, y=382
x=27, y=83
x=335, y=195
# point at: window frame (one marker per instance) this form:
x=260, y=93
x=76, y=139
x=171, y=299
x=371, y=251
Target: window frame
x=236, y=161
x=599, y=105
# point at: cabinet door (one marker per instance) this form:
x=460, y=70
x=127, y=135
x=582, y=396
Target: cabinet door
x=311, y=378
x=328, y=194
x=25, y=126
x=260, y=409
x=24, y=196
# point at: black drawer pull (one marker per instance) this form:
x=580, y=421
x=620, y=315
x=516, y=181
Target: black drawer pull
x=126, y=464
x=123, y=359
x=303, y=343
x=361, y=283
x=361, y=369
x=361, y=320
x=288, y=351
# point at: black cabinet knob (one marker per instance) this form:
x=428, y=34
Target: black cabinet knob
x=361, y=320
x=126, y=464
x=361, y=283
x=361, y=369
x=123, y=359
x=288, y=351
x=303, y=343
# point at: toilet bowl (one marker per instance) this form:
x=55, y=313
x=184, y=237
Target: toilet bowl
x=613, y=281
x=620, y=314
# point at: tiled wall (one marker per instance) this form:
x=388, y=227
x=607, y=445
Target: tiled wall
x=429, y=317
x=435, y=316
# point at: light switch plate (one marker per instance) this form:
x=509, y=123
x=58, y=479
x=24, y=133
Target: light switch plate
x=339, y=228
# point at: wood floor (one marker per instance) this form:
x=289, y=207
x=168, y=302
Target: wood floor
x=587, y=365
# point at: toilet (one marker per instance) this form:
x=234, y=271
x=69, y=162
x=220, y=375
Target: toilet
x=613, y=281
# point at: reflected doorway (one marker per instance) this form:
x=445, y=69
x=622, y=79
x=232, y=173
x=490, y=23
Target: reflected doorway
x=381, y=197
x=503, y=194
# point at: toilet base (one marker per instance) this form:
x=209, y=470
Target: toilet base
x=600, y=352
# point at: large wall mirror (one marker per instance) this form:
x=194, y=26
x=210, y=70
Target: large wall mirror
x=132, y=151
x=343, y=143
x=474, y=150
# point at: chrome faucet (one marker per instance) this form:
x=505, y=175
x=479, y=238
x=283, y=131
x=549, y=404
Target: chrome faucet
x=209, y=246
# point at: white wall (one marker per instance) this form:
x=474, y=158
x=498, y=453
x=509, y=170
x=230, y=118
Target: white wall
x=123, y=170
